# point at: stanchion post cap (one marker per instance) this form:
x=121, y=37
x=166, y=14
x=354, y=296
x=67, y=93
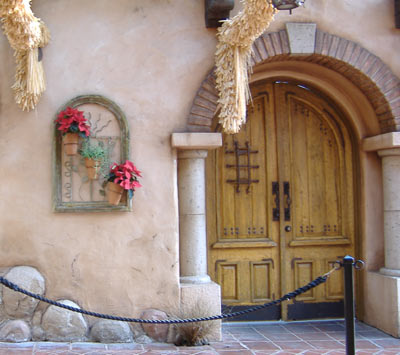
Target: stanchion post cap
x=348, y=260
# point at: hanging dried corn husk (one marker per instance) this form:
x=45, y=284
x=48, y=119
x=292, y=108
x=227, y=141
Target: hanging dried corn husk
x=235, y=39
x=26, y=35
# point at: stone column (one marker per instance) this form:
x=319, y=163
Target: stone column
x=192, y=216
x=388, y=148
x=192, y=151
x=383, y=287
x=391, y=210
x=196, y=288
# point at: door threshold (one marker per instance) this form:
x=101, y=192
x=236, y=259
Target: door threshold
x=266, y=322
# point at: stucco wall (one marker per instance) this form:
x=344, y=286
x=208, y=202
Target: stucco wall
x=150, y=58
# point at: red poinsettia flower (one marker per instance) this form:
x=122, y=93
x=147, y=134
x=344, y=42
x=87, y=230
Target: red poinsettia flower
x=72, y=120
x=126, y=175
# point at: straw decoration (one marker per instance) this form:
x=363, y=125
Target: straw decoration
x=26, y=34
x=235, y=39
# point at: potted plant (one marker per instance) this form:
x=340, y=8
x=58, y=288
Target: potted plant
x=72, y=123
x=122, y=177
x=94, y=157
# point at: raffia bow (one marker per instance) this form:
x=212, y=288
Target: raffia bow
x=26, y=34
x=235, y=39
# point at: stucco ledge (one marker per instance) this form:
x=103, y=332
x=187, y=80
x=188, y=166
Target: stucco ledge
x=196, y=140
x=383, y=141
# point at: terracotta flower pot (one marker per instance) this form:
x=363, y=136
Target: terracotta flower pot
x=92, y=168
x=114, y=193
x=71, y=143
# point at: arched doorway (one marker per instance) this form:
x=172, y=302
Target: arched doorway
x=280, y=202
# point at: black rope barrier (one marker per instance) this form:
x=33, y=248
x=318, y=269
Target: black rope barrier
x=319, y=280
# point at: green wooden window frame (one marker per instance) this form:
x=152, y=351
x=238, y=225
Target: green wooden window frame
x=88, y=206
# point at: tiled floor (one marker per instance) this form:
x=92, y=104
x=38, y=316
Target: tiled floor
x=309, y=338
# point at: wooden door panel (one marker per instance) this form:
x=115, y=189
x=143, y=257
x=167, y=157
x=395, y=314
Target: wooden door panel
x=280, y=202
x=316, y=159
x=335, y=286
x=228, y=278
x=243, y=188
x=303, y=273
x=261, y=281
x=242, y=237
x=315, y=175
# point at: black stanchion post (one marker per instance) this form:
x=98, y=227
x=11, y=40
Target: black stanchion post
x=348, y=264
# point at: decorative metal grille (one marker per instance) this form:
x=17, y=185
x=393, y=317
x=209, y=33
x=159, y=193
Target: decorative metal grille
x=73, y=190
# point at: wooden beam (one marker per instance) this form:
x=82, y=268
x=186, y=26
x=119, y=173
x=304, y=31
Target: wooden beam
x=217, y=10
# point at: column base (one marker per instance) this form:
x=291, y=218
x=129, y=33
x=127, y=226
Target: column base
x=201, y=279
x=390, y=272
x=202, y=300
x=382, y=302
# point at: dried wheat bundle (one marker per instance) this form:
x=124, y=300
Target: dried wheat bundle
x=235, y=39
x=26, y=34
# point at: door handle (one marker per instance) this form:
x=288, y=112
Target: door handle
x=287, y=200
x=275, y=193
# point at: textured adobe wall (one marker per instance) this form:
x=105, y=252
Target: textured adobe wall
x=149, y=57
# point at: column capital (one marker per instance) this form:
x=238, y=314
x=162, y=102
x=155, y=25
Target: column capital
x=192, y=154
x=387, y=141
x=389, y=152
x=196, y=141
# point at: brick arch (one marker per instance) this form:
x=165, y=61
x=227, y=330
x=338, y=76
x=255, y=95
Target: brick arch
x=358, y=65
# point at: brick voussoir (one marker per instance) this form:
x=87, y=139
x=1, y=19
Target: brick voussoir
x=199, y=101
x=355, y=55
x=259, y=44
x=342, y=45
x=276, y=42
x=207, y=95
x=374, y=68
x=268, y=45
x=361, y=59
x=210, y=87
x=387, y=83
x=326, y=44
x=395, y=103
x=199, y=120
x=203, y=112
x=393, y=94
x=284, y=41
x=256, y=54
x=319, y=40
x=334, y=46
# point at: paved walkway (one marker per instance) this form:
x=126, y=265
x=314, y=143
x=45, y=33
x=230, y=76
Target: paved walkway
x=308, y=338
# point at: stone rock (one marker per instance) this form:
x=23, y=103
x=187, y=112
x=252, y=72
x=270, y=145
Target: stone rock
x=37, y=331
x=59, y=324
x=108, y=331
x=139, y=335
x=158, y=332
x=15, y=331
x=37, y=318
x=17, y=305
x=144, y=339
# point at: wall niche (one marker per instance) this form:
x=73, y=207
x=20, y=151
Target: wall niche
x=73, y=191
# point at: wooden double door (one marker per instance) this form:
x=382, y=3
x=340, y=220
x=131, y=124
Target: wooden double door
x=280, y=204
